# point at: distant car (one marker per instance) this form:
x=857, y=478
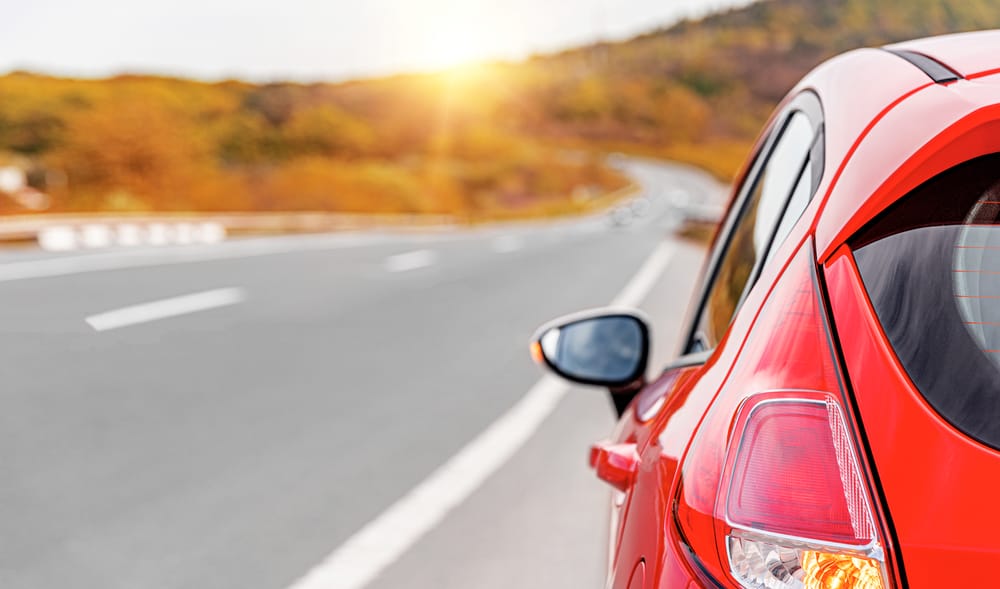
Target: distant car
x=833, y=417
x=620, y=216
x=639, y=206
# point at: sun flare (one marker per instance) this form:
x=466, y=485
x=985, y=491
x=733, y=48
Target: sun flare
x=452, y=39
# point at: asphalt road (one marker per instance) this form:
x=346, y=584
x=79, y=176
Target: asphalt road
x=237, y=446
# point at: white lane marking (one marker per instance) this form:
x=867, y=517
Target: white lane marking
x=644, y=280
x=506, y=244
x=162, y=309
x=410, y=261
x=377, y=545
x=368, y=552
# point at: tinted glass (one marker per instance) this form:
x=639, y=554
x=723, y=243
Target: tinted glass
x=752, y=235
x=931, y=266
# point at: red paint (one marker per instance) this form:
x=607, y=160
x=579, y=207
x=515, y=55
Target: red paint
x=969, y=54
x=939, y=484
x=638, y=580
x=615, y=463
x=888, y=129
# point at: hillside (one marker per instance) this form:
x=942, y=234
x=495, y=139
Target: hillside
x=486, y=141
x=700, y=91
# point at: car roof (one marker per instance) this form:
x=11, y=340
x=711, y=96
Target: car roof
x=969, y=54
x=890, y=126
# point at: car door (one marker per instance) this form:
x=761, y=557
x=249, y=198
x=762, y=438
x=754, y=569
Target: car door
x=655, y=430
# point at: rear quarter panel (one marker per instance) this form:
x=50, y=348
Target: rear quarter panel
x=939, y=485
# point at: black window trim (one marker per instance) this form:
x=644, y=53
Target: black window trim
x=934, y=69
x=808, y=103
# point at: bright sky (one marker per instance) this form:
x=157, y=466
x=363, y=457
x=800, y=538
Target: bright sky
x=309, y=39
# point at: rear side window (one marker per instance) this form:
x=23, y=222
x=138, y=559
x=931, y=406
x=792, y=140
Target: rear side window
x=931, y=266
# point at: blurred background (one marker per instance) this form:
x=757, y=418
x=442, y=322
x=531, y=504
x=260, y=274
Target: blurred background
x=268, y=270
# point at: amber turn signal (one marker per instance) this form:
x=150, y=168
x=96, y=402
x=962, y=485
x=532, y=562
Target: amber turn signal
x=536, y=352
x=839, y=571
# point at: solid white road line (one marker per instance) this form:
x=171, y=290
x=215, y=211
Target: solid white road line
x=384, y=539
x=162, y=309
x=640, y=285
x=387, y=537
x=410, y=261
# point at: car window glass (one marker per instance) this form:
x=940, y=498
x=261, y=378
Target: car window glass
x=781, y=172
x=796, y=205
x=751, y=236
x=932, y=273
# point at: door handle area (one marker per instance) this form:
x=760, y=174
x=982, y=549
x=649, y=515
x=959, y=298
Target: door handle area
x=615, y=464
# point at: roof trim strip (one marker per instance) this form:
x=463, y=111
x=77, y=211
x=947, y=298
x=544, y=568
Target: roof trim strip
x=935, y=70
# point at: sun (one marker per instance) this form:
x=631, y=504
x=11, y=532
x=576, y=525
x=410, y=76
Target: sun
x=452, y=47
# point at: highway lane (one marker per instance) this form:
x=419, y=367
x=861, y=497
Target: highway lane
x=551, y=528
x=238, y=446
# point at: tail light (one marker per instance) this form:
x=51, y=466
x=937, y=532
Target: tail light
x=774, y=493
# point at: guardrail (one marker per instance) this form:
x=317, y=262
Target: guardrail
x=79, y=231
x=69, y=231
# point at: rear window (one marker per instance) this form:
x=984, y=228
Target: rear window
x=931, y=266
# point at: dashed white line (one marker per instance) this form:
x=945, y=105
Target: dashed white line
x=410, y=261
x=164, y=308
x=383, y=540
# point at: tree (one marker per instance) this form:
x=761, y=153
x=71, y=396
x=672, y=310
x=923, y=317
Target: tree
x=327, y=130
x=136, y=147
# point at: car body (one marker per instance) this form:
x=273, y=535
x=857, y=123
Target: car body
x=832, y=418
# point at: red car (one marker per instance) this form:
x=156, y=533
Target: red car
x=833, y=419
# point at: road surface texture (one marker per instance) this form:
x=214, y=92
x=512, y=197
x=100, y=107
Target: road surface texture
x=227, y=416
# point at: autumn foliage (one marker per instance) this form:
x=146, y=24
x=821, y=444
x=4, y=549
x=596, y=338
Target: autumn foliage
x=485, y=141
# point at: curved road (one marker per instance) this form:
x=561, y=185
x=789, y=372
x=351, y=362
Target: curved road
x=227, y=416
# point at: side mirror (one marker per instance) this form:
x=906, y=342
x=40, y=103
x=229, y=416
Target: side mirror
x=604, y=347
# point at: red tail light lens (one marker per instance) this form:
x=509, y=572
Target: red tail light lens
x=804, y=438
x=773, y=492
x=796, y=494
